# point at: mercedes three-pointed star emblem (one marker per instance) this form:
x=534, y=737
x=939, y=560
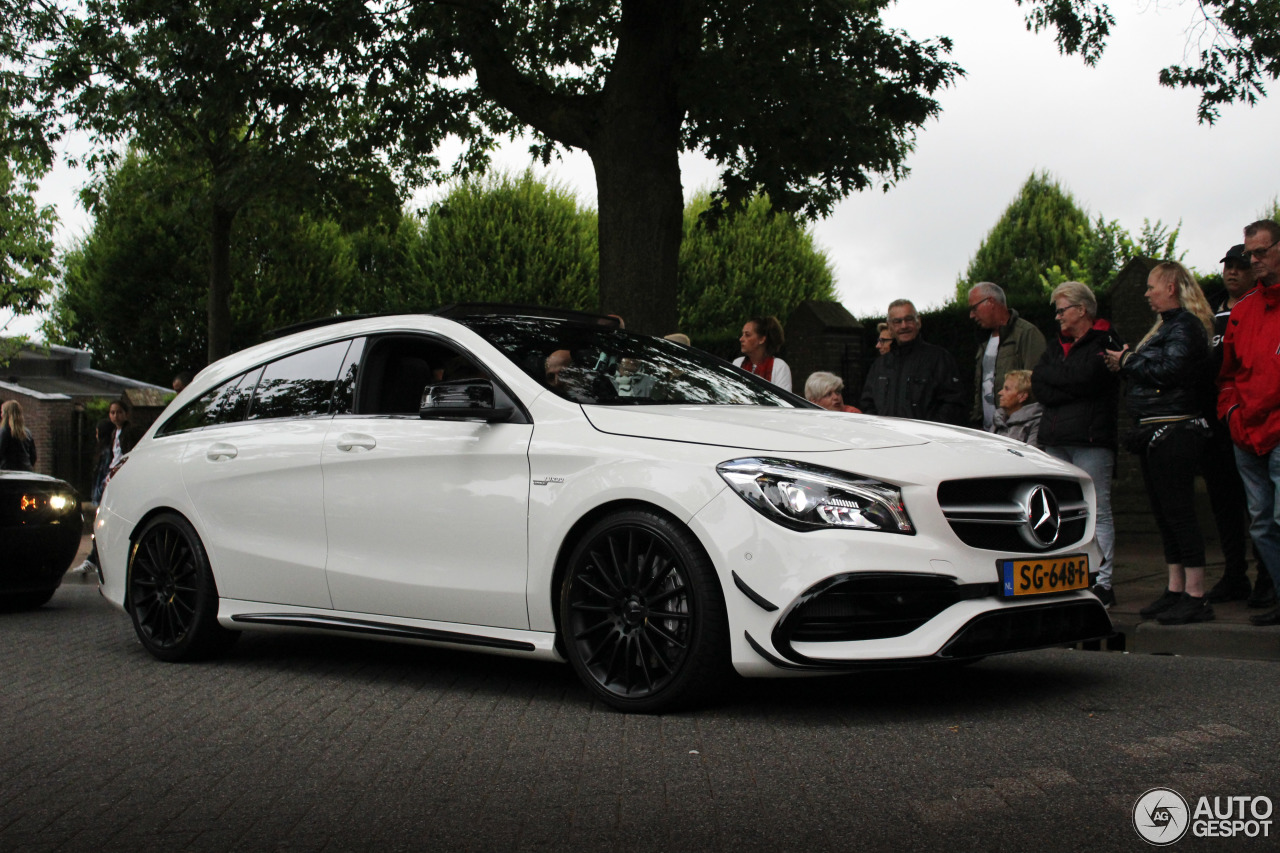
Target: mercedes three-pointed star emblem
x=1043, y=519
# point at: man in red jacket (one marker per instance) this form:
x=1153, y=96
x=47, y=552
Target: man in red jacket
x=1249, y=395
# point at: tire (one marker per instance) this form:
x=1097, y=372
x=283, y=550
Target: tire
x=173, y=600
x=642, y=616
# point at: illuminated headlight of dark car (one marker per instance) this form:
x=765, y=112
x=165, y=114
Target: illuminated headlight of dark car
x=57, y=503
x=808, y=497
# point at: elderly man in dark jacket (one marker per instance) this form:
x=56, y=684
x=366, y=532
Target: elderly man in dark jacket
x=1081, y=405
x=915, y=379
x=1011, y=344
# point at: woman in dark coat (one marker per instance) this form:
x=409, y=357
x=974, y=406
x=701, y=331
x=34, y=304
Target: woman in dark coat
x=1166, y=375
x=1081, y=403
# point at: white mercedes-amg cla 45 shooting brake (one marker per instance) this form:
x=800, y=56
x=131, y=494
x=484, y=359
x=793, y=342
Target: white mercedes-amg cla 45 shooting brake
x=556, y=488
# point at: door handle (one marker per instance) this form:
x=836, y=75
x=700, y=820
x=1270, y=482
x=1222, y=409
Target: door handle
x=220, y=452
x=356, y=442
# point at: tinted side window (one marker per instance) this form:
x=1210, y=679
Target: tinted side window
x=397, y=369
x=300, y=385
x=221, y=405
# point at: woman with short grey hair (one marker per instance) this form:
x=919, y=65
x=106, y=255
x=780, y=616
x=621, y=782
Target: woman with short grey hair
x=1080, y=397
x=826, y=390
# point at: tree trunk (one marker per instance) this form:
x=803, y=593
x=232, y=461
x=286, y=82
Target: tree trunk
x=641, y=210
x=635, y=152
x=220, y=282
x=631, y=130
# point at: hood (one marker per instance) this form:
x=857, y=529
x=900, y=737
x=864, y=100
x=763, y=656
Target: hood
x=773, y=430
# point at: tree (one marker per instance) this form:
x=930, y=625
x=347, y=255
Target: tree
x=26, y=229
x=1044, y=238
x=1042, y=227
x=131, y=289
x=806, y=102
x=753, y=263
x=508, y=239
x=1240, y=38
x=269, y=100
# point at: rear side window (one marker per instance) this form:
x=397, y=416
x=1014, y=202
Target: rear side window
x=224, y=404
x=300, y=385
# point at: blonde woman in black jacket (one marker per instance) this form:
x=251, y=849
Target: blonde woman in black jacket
x=1166, y=376
x=17, y=447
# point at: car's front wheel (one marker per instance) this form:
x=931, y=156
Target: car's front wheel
x=642, y=617
x=172, y=597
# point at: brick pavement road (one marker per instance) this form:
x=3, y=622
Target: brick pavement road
x=304, y=744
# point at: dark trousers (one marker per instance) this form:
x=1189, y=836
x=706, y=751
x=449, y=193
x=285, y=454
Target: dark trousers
x=1226, y=497
x=1169, y=473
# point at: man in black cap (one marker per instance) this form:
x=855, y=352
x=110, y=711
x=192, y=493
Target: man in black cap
x=1217, y=464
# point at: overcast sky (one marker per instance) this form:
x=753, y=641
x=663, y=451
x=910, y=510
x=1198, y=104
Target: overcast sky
x=1120, y=143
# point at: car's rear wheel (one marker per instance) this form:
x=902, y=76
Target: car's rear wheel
x=642, y=617
x=172, y=596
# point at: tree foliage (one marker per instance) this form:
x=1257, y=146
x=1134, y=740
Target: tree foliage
x=1044, y=238
x=508, y=239
x=26, y=228
x=1042, y=227
x=755, y=262
x=806, y=101
x=132, y=290
x=1239, y=45
x=270, y=101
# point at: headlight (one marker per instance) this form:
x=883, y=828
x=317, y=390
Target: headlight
x=57, y=502
x=807, y=497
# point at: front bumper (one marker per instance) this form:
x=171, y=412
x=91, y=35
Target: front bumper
x=839, y=600
x=37, y=556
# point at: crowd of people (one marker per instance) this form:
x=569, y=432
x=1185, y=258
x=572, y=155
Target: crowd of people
x=1202, y=388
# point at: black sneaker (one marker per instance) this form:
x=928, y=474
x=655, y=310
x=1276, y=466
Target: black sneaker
x=1161, y=604
x=1264, y=591
x=1230, y=589
x=1271, y=617
x=1188, y=610
x=1104, y=593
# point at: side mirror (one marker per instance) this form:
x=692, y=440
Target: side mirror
x=465, y=400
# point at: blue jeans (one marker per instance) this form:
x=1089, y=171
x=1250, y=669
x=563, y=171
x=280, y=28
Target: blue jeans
x=1099, y=463
x=1261, y=476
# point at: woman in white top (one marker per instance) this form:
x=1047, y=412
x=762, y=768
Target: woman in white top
x=761, y=338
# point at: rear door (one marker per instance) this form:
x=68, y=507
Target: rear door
x=254, y=478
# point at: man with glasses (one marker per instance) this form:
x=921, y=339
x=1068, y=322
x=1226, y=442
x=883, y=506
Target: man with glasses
x=1218, y=462
x=1249, y=395
x=1013, y=344
x=915, y=379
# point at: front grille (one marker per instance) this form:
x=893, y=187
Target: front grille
x=992, y=513
x=1017, y=629
x=871, y=607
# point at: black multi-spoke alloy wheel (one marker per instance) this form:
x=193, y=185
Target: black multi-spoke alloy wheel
x=172, y=596
x=642, y=616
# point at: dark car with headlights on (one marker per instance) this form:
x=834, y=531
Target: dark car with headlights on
x=40, y=530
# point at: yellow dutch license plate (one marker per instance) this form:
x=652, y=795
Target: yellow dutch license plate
x=1041, y=577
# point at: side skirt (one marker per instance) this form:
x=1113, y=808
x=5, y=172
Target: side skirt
x=504, y=641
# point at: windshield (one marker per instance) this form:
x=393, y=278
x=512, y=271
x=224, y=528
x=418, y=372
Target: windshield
x=611, y=367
